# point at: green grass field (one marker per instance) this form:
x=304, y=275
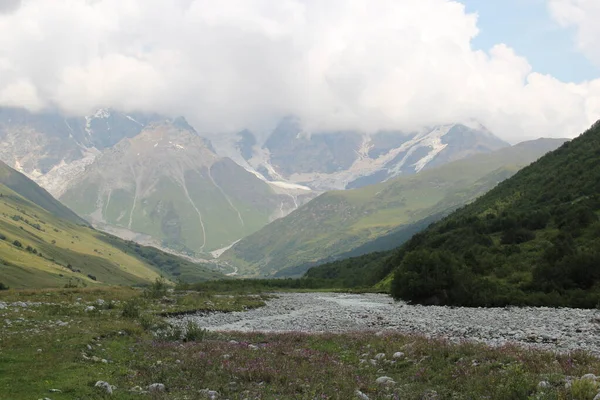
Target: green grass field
x=38, y=249
x=50, y=346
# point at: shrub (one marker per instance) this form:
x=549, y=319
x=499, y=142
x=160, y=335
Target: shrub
x=147, y=321
x=157, y=289
x=193, y=332
x=583, y=389
x=3, y=286
x=18, y=244
x=131, y=309
x=71, y=284
x=92, y=277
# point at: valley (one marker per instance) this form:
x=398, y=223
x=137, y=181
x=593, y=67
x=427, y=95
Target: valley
x=299, y=200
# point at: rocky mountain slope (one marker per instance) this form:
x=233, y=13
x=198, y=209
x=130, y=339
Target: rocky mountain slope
x=531, y=240
x=169, y=184
x=22, y=185
x=338, y=222
x=345, y=160
x=44, y=244
x=53, y=149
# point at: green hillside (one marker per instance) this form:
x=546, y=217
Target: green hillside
x=25, y=187
x=168, y=183
x=534, y=239
x=39, y=249
x=339, y=222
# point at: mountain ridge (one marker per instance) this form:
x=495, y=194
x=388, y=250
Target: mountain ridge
x=40, y=247
x=531, y=240
x=339, y=221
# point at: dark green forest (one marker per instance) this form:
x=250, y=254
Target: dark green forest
x=533, y=240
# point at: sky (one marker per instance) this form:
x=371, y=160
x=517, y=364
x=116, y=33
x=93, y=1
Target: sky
x=523, y=68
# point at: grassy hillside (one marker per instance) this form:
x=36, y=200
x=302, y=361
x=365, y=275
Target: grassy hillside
x=22, y=185
x=38, y=249
x=340, y=222
x=531, y=240
x=168, y=183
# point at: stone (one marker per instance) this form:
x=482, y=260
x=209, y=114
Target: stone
x=398, y=355
x=90, y=308
x=210, y=394
x=156, y=387
x=252, y=347
x=384, y=380
x=55, y=391
x=589, y=377
x=360, y=395
x=105, y=387
x=544, y=385
x=380, y=356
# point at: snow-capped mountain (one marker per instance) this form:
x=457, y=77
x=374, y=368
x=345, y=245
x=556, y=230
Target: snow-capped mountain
x=169, y=184
x=344, y=160
x=53, y=149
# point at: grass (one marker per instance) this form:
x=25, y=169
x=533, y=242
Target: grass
x=55, y=252
x=57, y=344
x=341, y=221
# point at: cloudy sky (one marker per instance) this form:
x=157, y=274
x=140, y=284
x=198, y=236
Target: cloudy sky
x=524, y=68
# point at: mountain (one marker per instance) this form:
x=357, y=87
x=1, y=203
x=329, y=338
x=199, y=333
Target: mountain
x=168, y=183
x=339, y=222
x=52, y=149
x=532, y=240
x=44, y=244
x=350, y=159
x=23, y=186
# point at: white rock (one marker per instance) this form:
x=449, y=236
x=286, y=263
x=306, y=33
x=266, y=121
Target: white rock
x=210, y=394
x=589, y=377
x=385, y=380
x=90, y=308
x=544, y=385
x=398, y=355
x=105, y=386
x=360, y=395
x=156, y=387
x=380, y=356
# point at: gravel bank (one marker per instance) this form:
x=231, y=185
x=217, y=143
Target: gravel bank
x=556, y=329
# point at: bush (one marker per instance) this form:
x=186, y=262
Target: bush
x=157, y=289
x=92, y=277
x=2, y=237
x=425, y=276
x=584, y=389
x=148, y=321
x=517, y=236
x=193, y=332
x=18, y=244
x=131, y=309
x=3, y=286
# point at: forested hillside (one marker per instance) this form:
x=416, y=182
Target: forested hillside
x=534, y=239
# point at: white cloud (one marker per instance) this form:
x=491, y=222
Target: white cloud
x=583, y=15
x=231, y=64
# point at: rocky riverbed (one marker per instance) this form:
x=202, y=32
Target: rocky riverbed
x=548, y=328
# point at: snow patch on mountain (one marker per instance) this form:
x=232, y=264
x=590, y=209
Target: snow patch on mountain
x=432, y=140
x=57, y=180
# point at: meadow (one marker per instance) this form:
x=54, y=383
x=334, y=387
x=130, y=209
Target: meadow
x=60, y=343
